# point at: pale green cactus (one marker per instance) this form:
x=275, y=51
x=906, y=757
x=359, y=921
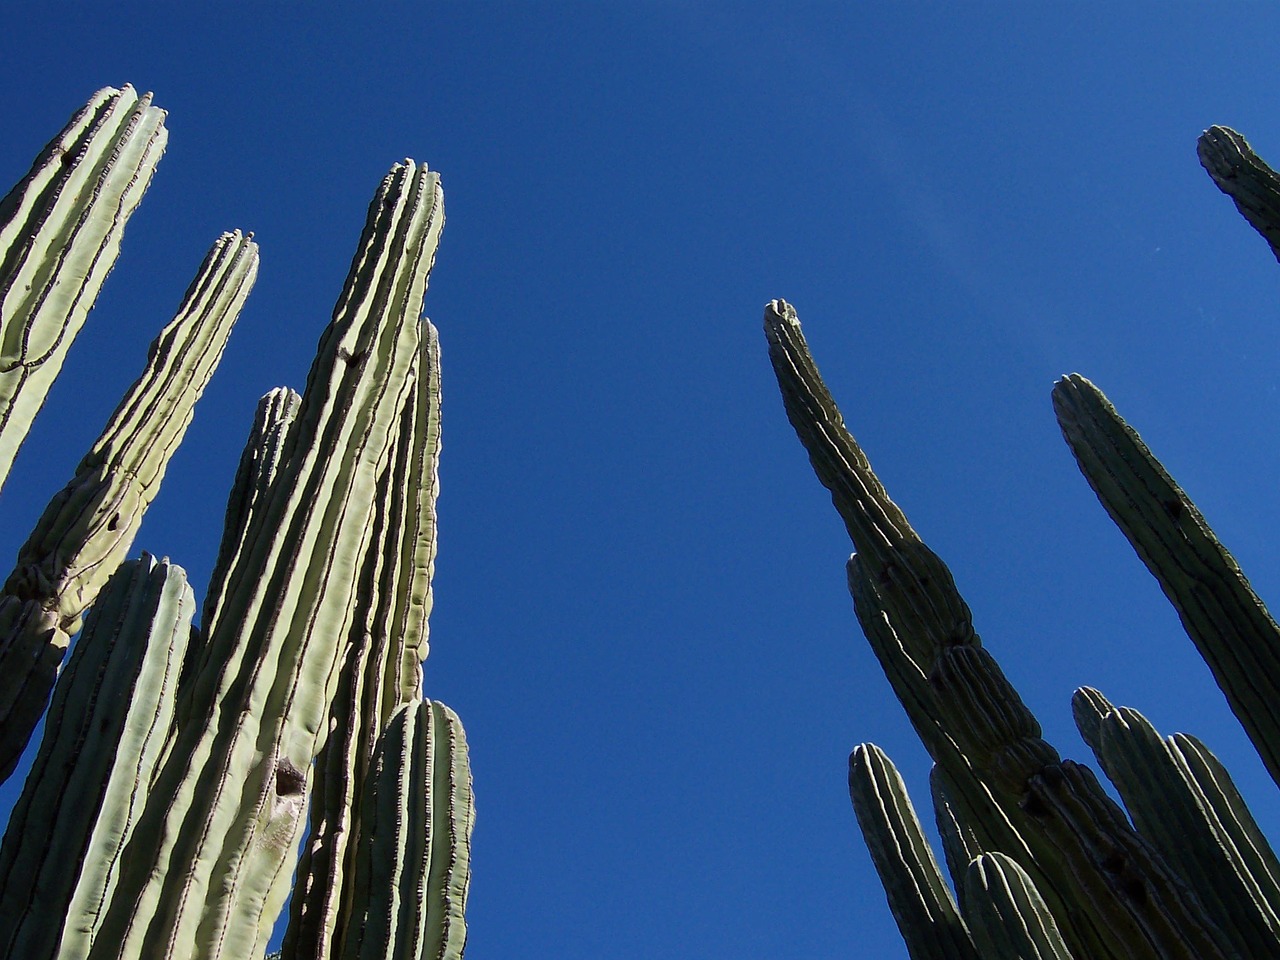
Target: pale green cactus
x=109, y=723
x=189, y=807
x=1044, y=865
x=89, y=526
x=60, y=230
x=412, y=866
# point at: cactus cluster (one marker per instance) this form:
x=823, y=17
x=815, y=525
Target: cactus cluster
x=171, y=786
x=1042, y=862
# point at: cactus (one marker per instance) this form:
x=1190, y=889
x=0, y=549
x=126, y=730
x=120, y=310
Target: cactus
x=1043, y=863
x=60, y=231
x=189, y=807
x=89, y=526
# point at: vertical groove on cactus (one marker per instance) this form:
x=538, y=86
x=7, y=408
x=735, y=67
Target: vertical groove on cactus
x=413, y=865
x=89, y=526
x=110, y=715
x=1008, y=917
x=906, y=600
x=213, y=870
x=1243, y=176
x=917, y=893
x=60, y=231
x=1221, y=613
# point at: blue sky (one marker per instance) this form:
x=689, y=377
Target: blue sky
x=640, y=611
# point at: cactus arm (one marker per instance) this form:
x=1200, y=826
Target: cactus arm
x=413, y=869
x=111, y=711
x=259, y=464
x=1186, y=821
x=902, y=590
x=918, y=896
x=89, y=526
x=1243, y=176
x=1008, y=917
x=1219, y=610
x=381, y=668
x=60, y=231
x=213, y=870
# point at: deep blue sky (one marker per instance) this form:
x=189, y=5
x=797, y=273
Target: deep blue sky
x=640, y=610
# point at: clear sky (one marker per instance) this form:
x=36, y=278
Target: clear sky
x=640, y=605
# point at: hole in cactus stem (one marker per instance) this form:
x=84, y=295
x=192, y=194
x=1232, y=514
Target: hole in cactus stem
x=290, y=781
x=113, y=522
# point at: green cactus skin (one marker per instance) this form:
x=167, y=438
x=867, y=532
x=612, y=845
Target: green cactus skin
x=1229, y=624
x=1009, y=919
x=918, y=895
x=208, y=869
x=1192, y=822
x=1243, y=176
x=1116, y=896
x=259, y=464
x=413, y=866
x=60, y=231
x=107, y=727
x=89, y=526
x=380, y=669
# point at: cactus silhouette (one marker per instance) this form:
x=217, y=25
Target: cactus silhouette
x=1043, y=864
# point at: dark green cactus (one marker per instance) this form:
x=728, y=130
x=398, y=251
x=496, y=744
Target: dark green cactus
x=1043, y=863
x=188, y=808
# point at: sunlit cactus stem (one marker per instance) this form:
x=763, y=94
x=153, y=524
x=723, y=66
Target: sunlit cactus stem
x=60, y=231
x=88, y=528
x=380, y=669
x=107, y=729
x=414, y=864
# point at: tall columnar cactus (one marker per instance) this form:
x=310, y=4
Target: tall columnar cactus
x=1043, y=864
x=189, y=806
x=108, y=727
x=60, y=230
x=89, y=526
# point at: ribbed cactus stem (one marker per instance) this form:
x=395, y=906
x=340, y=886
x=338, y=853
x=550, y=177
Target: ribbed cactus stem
x=1006, y=914
x=89, y=526
x=918, y=895
x=110, y=715
x=413, y=869
x=381, y=666
x=60, y=231
x=259, y=464
x=1192, y=823
x=1228, y=622
x=210, y=873
x=1243, y=176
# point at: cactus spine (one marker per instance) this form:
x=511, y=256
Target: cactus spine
x=1044, y=864
x=315, y=620
x=60, y=230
